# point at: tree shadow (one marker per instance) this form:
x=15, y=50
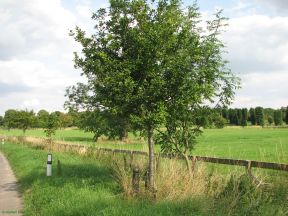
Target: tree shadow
x=78, y=139
x=11, y=186
x=75, y=174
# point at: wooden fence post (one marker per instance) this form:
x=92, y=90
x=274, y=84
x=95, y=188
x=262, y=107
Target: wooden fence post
x=59, y=168
x=125, y=163
x=136, y=182
x=146, y=179
x=248, y=168
x=131, y=159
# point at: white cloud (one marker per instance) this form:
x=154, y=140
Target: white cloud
x=33, y=74
x=36, y=53
x=39, y=86
x=30, y=24
x=280, y=5
x=30, y=103
x=84, y=11
x=267, y=90
x=257, y=50
x=257, y=43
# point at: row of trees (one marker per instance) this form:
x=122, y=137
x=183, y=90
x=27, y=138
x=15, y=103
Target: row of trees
x=24, y=119
x=102, y=122
x=255, y=116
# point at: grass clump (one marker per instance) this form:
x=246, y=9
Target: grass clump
x=242, y=197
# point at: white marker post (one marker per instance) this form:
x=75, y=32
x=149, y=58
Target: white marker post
x=49, y=165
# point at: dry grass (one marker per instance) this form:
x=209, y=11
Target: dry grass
x=173, y=182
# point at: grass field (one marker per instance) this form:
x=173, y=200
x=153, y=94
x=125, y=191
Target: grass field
x=86, y=187
x=265, y=144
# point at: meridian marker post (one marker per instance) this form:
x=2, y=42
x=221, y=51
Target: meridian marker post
x=49, y=165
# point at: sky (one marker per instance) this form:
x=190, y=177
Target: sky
x=36, y=52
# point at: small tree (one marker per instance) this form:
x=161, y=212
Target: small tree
x=75, y=117
x=65, y=120
x=25, y=119
x=10, y=119
x=244, y=117
x=225, y=114
x=42, y=118
x=239, y=116
x=278, y=117
x=252, y=116
x=286, y=116
x=151, y=63
x=219, y=121
x=233, y=117
x=270, y=120
x=1, y=121
x=51, y=127
x=259, y=116
x=93, y=121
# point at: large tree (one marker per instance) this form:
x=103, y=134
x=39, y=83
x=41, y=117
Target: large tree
x=152, y=63
x=1, y=121
x=252, y=116
x=10, y=118
x=278, y=117
x=22, y=119
x=244, y=117
x=25, y=119
x=42, y=118
x=259, y=116
x=286, y=115
x=233, y=118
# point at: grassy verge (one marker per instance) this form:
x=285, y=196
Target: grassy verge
x=87, y=187
x=263, y=144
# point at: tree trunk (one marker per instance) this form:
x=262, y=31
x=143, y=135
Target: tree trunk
x=124, y=133
x=188, y=164
x=151, y=172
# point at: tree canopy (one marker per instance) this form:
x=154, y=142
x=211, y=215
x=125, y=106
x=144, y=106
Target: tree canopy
x=22, y=119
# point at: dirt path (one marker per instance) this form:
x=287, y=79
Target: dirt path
x=10, y=199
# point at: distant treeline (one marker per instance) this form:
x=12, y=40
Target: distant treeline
x=254, y=116
x=104, y=123
x=24, y=119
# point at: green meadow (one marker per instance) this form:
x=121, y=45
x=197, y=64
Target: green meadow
x=264, y=144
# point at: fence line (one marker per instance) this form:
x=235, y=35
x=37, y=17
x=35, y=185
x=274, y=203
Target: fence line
x=235, y=162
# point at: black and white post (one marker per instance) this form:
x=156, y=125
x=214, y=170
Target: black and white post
x=49, y=165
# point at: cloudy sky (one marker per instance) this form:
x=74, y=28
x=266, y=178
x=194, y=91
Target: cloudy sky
x=36, y=52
